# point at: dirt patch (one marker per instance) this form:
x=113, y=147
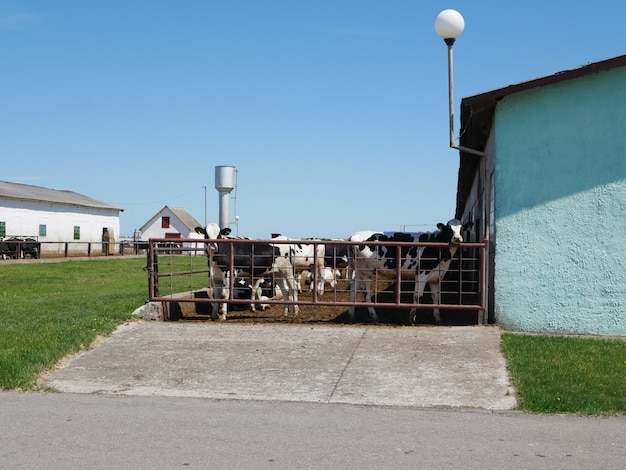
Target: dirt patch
x=330, y=314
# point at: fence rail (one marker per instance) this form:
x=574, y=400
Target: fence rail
x=13, y=249
x=180, y=273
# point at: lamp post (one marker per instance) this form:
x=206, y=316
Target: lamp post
x=449, y=25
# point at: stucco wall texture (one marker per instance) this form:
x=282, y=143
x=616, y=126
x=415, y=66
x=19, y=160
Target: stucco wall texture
x=560, y=263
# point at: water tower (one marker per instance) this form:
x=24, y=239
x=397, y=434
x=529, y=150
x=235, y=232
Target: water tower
x=225, y=183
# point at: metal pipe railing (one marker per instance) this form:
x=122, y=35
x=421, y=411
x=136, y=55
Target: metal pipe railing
x=471, y=300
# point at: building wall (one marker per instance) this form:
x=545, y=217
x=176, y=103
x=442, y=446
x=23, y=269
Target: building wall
x=23, y=218
x=560, y=174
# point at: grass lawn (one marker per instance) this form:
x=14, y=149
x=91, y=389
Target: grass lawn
x=50, y=310
x=563, y=374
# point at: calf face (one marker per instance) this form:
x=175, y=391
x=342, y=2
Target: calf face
x=210, y=232
x=452, y=232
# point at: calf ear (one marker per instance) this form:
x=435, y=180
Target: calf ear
x=225, y=232
x=468, y=226
x=201, y=230
x=441, y=226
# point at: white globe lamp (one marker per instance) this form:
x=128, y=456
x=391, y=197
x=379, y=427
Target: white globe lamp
x=449, y=25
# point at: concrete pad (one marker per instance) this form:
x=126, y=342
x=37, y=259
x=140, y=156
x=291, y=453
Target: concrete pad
x=372, y=365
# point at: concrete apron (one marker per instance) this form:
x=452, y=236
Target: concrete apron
x=369, y=365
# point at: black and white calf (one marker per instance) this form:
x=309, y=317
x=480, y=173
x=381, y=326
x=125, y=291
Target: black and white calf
x=330, y=276
x=5, y=249
x=428, y=264
x=336, y=256
x=243, y=290
x=253, y=258
x=303, y=257
x=17, y=248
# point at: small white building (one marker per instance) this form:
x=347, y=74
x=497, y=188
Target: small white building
x=63, y=221
x=172, y=223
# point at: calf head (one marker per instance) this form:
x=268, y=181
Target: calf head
x=212, y=232
x=452, y=232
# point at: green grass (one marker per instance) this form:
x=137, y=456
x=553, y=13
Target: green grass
x=561, y=374
x=195, y=277
x=50, y=310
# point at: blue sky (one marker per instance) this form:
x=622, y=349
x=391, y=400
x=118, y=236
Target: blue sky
x=334, y=112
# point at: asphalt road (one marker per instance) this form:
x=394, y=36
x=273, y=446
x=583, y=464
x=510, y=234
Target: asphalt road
x=166, y=395
x=103, y=431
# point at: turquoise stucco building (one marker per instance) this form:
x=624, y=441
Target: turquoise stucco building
x=550, y=195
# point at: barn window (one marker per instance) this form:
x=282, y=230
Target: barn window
x=76, y=232
x=165, y=222
x=3, y=229
x=42, y=230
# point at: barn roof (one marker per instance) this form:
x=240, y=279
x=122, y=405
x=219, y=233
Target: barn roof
x=185, y=217
x=27, y=192
x=477, y=115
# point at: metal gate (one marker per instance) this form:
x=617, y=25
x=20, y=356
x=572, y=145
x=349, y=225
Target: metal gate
x=179, y=273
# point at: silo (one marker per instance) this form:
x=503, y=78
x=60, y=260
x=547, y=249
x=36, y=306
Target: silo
x=224, y=183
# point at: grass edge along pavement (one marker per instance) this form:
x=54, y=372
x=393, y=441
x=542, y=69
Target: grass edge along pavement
x=51, y=310
x=567, y=374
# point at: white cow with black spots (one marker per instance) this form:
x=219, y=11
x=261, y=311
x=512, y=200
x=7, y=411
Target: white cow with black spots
x=427, y=264
x=255, y=258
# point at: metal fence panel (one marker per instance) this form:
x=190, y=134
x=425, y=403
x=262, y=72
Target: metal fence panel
x=180, y=273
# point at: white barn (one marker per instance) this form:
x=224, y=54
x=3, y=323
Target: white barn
x=170, y=222
x=63, y=221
